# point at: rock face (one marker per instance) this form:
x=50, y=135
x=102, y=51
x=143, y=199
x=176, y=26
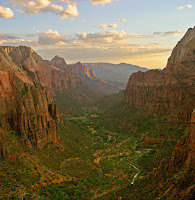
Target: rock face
x=63, y=77
x=174, y=178
x=171, y=90
x=90, y=79
x=25, y=104
x=183, y=155
x=54, y=74
x=58, y=62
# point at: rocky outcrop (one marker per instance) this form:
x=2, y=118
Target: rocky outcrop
x=63, y=78
x=170, y=91
x=53, y=74
x=28, y=60
x=58, y=62
x=25, y=105
x=82, y=71
x=183, y=156
x=184, y=152
x=174, y=178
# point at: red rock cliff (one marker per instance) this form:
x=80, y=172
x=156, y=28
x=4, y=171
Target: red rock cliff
x=171, y=90
x=62, y=77
x=24, y=104
x=54, y=75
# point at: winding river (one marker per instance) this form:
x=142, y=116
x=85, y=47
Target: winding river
x=135, y=176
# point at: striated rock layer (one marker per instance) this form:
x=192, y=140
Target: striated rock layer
x=25, y=105
x=171, y=90
x=62, y=77
x=27, y=83
x=54, y=74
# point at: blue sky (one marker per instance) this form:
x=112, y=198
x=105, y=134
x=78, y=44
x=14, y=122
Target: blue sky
x=88, y=30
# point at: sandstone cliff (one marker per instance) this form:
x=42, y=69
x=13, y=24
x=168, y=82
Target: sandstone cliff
x=58, y=62
x=62, y=77
x=174, y=178
x=25, y=105
x=53, y=75
x=171, y=90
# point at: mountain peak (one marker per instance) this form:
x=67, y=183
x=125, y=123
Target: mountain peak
x=79, y=63
x=170, y=90
x=58, y=57
x=58, y=62
x=182, y=53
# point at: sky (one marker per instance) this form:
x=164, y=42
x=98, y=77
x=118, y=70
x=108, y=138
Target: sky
x=140, y=32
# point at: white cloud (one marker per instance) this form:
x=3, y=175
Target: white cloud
x=121, y=20
x=105, y=26
x=171, y=33
x=180, y=7
x=115, y=53
x=6, y=12
x=51, y=37
x=100, y=2
x=20, y=11
x=12, y=40
x=71, y=10
x=53, y=8
x=186, y=6
x=101, y=38
x=156, y=34
x=44, y=6
x=189, y=6
x=135, y=35
x=4, y=36
x=110, y=46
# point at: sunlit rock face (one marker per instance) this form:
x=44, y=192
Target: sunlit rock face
x=53, y=74
x=58, y=62
x=25, y=105
x=171, y=90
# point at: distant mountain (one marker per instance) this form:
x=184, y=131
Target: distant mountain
x=114, y=72
x=89, y=77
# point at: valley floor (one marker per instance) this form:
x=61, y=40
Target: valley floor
x=100, y=153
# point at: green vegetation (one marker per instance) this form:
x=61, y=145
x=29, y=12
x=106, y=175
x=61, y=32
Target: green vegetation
x=75, y=100
x=95, y=156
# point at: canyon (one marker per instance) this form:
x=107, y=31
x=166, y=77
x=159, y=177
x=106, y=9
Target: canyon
x=135, y=144
x=171, y=92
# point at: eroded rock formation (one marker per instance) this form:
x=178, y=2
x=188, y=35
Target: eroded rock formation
x=25, y=105
x=171, y=90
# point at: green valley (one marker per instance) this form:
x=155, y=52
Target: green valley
x=100, y=152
